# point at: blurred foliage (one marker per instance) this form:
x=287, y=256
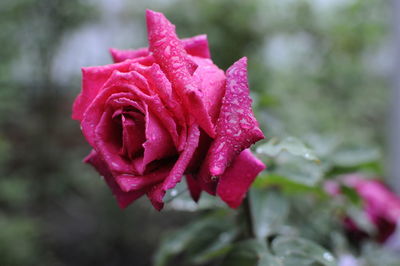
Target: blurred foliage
x=318, y=71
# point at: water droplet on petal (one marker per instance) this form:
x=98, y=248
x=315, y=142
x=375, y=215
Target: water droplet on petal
x=167, y=51
x=244, y=124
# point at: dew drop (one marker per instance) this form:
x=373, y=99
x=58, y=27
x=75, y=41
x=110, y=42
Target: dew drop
x=328, y=256
x=244, y=124
x=174, y=192
x=167, y=51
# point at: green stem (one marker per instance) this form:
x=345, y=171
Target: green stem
x=248, y=217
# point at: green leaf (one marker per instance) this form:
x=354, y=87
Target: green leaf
x=293, y=160
x=291, y=145
x=300, y=171
x=294, y=251
x=287, y=185
x=378, y=254
x=351, y=194
x=269, y=211
x=356, y=156
x=201, y=241
x=220, y=246
x=250, y=253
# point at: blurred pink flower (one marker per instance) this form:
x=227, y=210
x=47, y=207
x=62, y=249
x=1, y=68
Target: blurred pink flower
x=381, y=206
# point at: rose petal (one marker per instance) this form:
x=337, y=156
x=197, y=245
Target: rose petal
x=194, y=187
x=93, y=79
x=169, y=53
x=122, y=55
x=200, y=153
x=157, y=194
x=236, y=180
x=207, y=182
x=129, y=182
x=107, y=141
x=196, y=46
x=211, y=80
x=161, y=86
x=123, y=198
x=133, y=135
x=379, y=201
x=158, y=143
x=237, y=128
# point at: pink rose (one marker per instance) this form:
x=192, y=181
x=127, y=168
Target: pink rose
x=381, y=206
x=162, y=112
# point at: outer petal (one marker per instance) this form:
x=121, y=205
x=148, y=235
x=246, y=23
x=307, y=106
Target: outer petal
x=93, y=79
x=196, y=46
x=237, y=128
x=169, y=53
x=236, y=180
x=130, y=182
x=123, y=198
x=157, y=194
x=122, y=55
x=194, y=187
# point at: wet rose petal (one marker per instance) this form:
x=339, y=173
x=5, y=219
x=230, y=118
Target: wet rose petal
x=236, y=180
x=157, y=194
x=129, y=182
x=170, y=55
x=213, y=87
x=108, y=144
x=158, y=143
x=196, y=46
x=123, y=198
x=194, y=187
x=93, y=79
x=237, y=128
x=122, y=55
x=161, y=86
x=133, y=136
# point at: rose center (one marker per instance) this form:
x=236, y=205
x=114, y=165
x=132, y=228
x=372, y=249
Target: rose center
x=131, y=122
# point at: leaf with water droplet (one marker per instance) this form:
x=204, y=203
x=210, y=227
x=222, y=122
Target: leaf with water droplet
x=291, y=145
x=298, y=251
x=171, y=194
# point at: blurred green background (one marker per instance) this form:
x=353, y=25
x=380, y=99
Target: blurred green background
x=318, y=70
